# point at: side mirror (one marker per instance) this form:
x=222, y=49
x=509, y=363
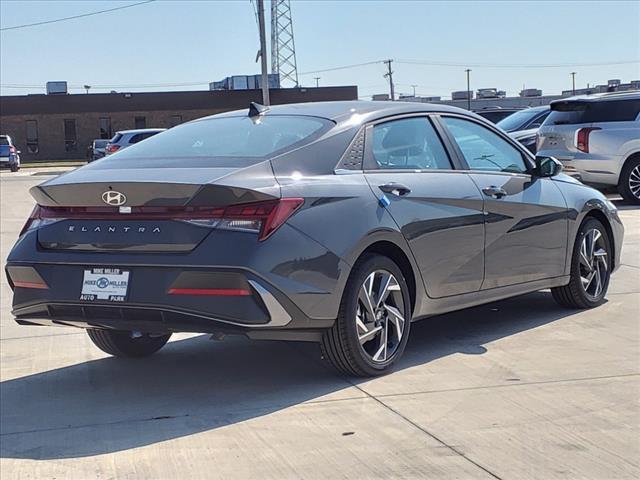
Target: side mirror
x=548, y=166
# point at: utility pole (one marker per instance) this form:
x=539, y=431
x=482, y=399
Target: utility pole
x=389, y=75
x=573, y=80
x=468, y=70
x=317, y=79
x=414, y=90
x=263, y=55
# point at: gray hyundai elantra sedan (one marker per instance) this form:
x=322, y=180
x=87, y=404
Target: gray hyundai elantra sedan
x=338, y=222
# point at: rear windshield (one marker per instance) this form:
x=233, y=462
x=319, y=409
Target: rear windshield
x=100, y=143
x=495, y=116
x=574, y=112
x=224, y=142
x=518, y=119
x=4, y=141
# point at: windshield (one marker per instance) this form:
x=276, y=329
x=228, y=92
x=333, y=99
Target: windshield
x=517, y=120
x=225, y=142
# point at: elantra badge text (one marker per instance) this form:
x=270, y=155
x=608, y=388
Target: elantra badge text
x=112, y=229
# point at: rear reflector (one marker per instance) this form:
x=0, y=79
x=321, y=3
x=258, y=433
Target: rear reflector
x=41, y=286
x=229, y=292
x=25, y=277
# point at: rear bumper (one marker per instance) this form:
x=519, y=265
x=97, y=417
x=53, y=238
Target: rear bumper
x=8, y=161
x=595, y=170
x=149, y=308
x=294, y=284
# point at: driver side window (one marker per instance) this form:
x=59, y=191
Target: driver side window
x=483, y=149
x=408, y=144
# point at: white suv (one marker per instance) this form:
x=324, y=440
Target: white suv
x=126, y=138
x=597, y=138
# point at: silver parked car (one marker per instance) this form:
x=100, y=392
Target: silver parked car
x=97, y=149
x=597, y=138
x=126, y=138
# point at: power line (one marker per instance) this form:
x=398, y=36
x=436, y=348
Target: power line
x=27, y=25
x=344, y=67
x=513, y=65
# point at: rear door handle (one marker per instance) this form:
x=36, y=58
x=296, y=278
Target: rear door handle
x=494, y=192
x=393, y=188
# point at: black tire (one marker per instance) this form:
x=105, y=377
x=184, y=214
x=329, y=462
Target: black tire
x=341, y=345
x=122, y=344
x=574, y=295
x=15, y=168
x=628, y=175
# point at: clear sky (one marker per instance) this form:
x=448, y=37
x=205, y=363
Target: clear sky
x=200, y=41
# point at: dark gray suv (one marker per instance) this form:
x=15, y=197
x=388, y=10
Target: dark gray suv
x=335, y=222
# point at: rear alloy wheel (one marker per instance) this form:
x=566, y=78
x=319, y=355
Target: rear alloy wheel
x=15, y=167
x=590, y=268
x=629, y=183
x=122, y=343
x=373, y=324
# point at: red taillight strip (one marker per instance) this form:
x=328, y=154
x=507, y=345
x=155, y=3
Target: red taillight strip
x=229, y=292
x=40, y=286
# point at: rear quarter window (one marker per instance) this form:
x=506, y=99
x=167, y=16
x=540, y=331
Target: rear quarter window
x=570, y=113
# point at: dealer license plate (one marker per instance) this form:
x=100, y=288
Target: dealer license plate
x=109, y=284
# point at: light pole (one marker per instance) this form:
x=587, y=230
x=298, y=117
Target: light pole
x=317, y=79
x=573, y=82
x=414, y=90
x=87, y=87
x=468, y=70
x=263, y=54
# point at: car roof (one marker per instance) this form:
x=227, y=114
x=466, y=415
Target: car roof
x=141, y=130
x=341, y=111
x=602, y=97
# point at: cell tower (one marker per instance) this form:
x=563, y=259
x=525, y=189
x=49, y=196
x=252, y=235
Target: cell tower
x=283, y=48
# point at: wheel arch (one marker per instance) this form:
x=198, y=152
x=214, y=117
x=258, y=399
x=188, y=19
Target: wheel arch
x=388, y=247
x=631, y=156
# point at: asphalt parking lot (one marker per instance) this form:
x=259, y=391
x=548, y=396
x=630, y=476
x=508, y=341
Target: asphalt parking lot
x=518, y=389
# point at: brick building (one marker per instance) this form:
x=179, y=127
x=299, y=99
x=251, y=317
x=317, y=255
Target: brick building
x=61, y=127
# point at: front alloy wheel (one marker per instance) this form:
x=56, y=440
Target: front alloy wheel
x=373, y=323
x=594, y=268
x=590, y=268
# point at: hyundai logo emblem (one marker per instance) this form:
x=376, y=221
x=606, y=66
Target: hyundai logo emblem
x=111, y=197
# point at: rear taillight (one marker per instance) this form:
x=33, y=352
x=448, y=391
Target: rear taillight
x=12, y=149
x=112, y=148
x=262, y=218
x=33, y=218
x=582, y=138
